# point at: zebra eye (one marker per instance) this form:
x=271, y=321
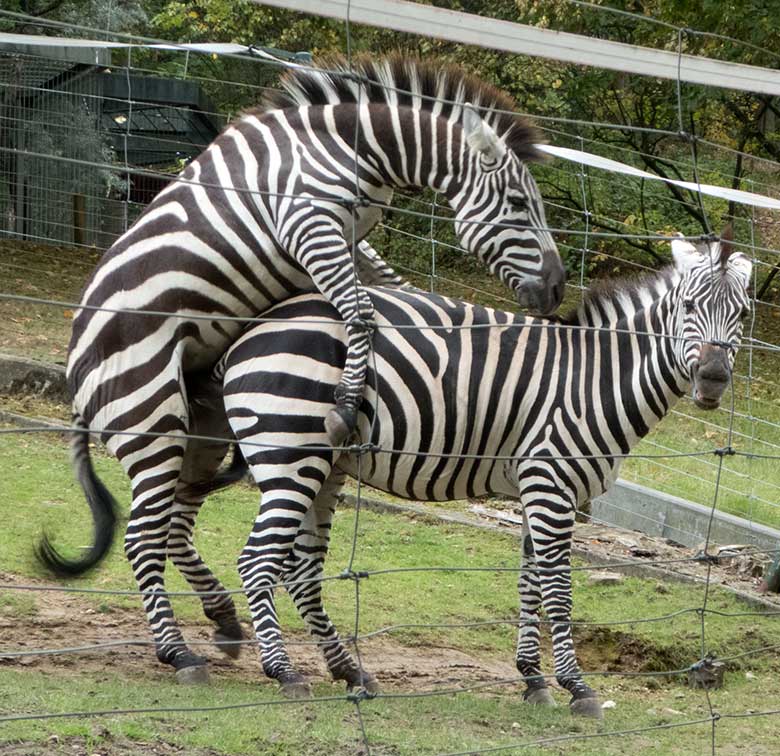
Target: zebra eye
x=744, y=312
x=518, y=201
x=689, y=306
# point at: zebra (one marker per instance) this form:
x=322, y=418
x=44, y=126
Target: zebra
x=464, y=401
x=271, y=209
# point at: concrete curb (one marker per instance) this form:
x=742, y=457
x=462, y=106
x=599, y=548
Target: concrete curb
x=634, y=507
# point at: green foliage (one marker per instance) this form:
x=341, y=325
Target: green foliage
x=557, y=92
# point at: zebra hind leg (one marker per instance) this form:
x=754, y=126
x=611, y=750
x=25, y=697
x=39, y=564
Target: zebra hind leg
x=218, y=605
x=551, y=522
x=288, y=490
x=201, y=462
x=154, y=465
x=305, y=587
x=528, y=658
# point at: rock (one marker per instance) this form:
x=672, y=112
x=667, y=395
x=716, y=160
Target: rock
x=608, y=705
x=604, y=578
x=707, y=674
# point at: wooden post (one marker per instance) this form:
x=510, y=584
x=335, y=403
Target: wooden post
x=79, y=219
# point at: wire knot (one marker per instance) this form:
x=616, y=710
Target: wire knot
x=361, y=449
x=364, y=324
x=351, y=76
x=726, y=451
x=348, y=574
x=353, y=202
x=360, y=694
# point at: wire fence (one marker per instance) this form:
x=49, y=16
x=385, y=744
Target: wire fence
x=86, y=146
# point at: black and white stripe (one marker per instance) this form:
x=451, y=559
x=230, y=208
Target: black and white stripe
x=467, y=401
x=270, y=210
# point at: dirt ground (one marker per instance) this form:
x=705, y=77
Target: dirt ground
x=63, y=620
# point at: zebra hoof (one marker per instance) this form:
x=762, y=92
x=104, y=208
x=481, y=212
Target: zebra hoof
x=230, y=645
x=194, y=675
x=367, y=682
x=539, y=697
x=587, y=707
x=339, y=424
x=296, y=689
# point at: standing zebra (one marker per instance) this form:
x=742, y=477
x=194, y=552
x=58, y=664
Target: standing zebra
x=465, y=401
x=269, y=210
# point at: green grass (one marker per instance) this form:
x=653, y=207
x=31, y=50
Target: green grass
x=37, y=492
x=394, y=726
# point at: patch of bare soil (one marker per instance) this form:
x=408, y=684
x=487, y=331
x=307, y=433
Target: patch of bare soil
x=61, y=620
x=109, y=746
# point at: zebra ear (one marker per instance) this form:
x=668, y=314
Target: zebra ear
x=481, y=136
x=685, y=255
x=742, y=265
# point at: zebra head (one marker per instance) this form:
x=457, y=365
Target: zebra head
x=712, y=305
x=500, y=218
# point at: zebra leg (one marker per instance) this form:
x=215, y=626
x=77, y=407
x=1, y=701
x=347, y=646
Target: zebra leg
x=305, y=565
x=342, y=419
x=153, y=466
x=528, y=658
x=550, y=523
x=325, y=255
x=288, y=490
x=201, y=461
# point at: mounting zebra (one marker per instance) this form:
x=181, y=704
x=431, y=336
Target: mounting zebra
x=269, y=210
x=465, y=401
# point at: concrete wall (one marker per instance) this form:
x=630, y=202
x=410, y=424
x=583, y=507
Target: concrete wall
x=629, y=505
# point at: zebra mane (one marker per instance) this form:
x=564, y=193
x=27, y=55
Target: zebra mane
x=610, y=299
x=407, y=81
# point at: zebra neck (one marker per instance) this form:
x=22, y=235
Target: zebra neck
x=408, y=147
x=643, y=379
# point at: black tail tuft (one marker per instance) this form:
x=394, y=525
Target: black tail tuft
x=104, y=514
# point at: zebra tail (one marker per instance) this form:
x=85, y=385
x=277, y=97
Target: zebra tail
x=101, y=502
x=235, y=471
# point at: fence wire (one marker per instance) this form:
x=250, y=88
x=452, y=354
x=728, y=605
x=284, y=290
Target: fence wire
x=596, y=227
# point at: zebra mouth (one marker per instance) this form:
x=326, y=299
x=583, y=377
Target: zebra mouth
x=540, y=299
x=705, y=402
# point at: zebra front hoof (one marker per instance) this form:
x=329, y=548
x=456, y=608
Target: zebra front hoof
x=195, y=675
x=587, y=707
x=539, y=697
x=296, y=688
x=339, y=424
